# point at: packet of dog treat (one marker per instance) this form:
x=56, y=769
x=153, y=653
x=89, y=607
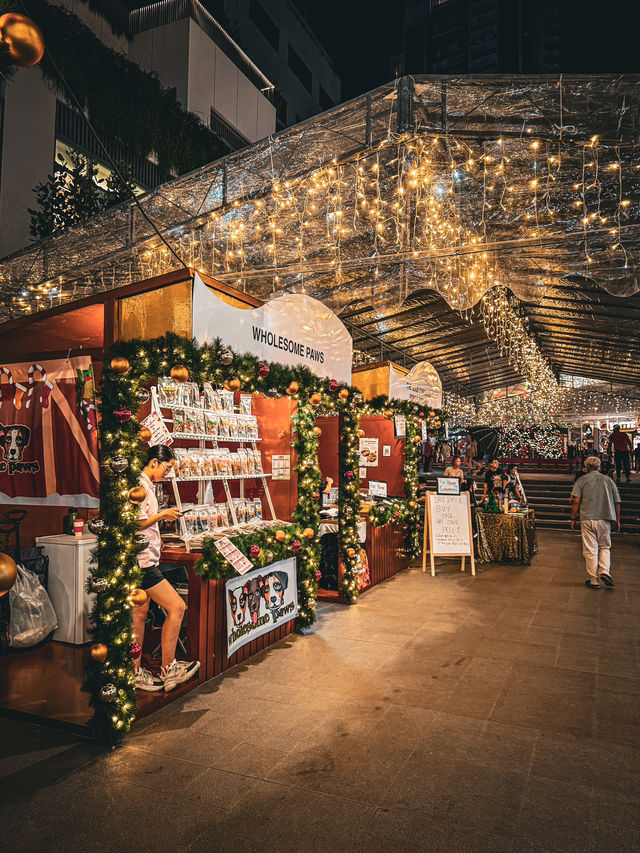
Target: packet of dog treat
x=233, y=426
x=244, y=464
x=224, y=427
x=211, y=424
x=227, y=400
x=257, y=458
x=178, y=420
x=245, y=404
x=198, y=415
x=182, y=458
x=223, y=515
x=207, y=463
x=224, y=463
x=252, y=428
x=167, y=391
x=190, y=422
x=257, y=508
x=195, y=464
x=235, y=464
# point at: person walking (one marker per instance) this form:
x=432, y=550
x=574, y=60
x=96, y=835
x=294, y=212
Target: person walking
x=621, y=445
x=597, y=499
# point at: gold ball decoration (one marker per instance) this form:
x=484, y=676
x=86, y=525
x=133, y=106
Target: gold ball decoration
x=120, y=364
x=351, y=552
x=388, y=413
x=360, y=433
x=315, y=399
x=23, y=39
x=137, y=494
x=179, y=373
x=280, y=535
x=343, y=393
x=138, y=597
x=309, y=532
x=232, y=384
x=293, y=388
x=437, y=424
x=317, y=431
x=413, y=504
x=144, y=434
x=8, y=573
x=416, y=439
x=432, y=414
x=99, y=652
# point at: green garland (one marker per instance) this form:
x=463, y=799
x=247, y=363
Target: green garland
x=213, y=566
x=349, y=504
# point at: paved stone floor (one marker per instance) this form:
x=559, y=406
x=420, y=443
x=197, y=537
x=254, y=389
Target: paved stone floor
x=496, y=713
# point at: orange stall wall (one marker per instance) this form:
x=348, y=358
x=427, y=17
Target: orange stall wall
x=389, y=468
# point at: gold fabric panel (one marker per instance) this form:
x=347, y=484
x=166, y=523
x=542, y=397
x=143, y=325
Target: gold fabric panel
x=506, y=538
x=156, y=312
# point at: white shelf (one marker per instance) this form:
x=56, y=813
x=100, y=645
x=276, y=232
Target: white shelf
x=207, y=436
x=217, y=477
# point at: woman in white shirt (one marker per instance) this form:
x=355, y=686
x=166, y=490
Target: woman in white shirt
x=173, y=672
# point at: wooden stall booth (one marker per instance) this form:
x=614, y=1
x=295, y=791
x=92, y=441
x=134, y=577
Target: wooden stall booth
x=45, y=682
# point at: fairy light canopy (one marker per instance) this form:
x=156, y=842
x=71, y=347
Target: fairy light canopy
x=453, y=186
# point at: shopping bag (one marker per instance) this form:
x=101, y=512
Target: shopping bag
x=32, y=617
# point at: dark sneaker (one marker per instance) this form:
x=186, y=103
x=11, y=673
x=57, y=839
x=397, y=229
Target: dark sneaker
x=145, y=680
x=607, y=580
x=178, y=672
x=592, y=584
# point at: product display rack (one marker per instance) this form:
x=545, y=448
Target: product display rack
x=206, y=440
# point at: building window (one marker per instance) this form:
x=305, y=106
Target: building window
x=265, y=24
x=281, y=110
x=324, y=99
x=300, y=69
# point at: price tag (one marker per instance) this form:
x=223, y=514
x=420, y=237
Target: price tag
x=159, y=432
x=232, y=555
x=400, y=426
x=378, y=488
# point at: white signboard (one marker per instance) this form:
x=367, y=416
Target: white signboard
x=281, y=467
x=399, y=426
x=260, y=601
x=293, y=330
x=447, y=529
x=448, y=486
x=378, y=488
x=421, y=385
x=368, y=453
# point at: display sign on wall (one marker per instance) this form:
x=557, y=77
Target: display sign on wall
x=259, y=601
x=368, y=449
x=48, y=440
x=399, y=426
x=293, y=329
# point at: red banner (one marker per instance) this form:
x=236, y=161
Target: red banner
x=48, y=435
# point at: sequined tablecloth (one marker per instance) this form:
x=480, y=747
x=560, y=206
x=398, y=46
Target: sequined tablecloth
x=506, y=538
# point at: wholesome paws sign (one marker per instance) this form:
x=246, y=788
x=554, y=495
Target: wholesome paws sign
x=259, y=601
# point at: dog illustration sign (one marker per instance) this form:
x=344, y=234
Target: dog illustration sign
x=259, y=601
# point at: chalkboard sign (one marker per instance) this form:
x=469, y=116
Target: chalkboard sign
x=447, y=529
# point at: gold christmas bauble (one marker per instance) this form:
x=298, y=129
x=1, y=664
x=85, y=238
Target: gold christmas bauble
x=351, y=552
x=388, y=413
x=293, y=388
x=232, y=384
x=137, y=494
x=343, y=393
x=144, y=434
x=432, y=414
x=120, y=364
x=99, y=652
x=436, y=424
x=360, y=433
x=309, y=532
x=416, y=439
x=179, y=373
x=23, y=38
x=412, y=504
x=280, y=535
x=138, y=597
x=317, y=431
x=8, y=573
x=315, y=399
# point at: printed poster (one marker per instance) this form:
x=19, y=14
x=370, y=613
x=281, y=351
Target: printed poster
x=368, y=450
x=259, y=601
x=48, y=433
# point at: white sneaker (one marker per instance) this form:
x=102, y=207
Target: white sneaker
x=179, y=671
x=145, y=680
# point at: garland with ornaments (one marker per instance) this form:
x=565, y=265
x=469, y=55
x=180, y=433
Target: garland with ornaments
x=133, y=366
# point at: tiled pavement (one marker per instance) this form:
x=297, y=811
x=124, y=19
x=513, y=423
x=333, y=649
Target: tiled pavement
x=496, y=713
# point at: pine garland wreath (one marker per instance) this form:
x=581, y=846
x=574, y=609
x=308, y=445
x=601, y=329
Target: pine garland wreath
x=349, y=504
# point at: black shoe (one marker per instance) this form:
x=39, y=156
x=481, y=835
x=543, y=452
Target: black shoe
x=592, y=585
x=607, y=580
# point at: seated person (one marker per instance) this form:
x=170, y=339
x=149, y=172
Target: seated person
x=160, y=460
x=455, y=469
x=513, y=486
x=494, y=478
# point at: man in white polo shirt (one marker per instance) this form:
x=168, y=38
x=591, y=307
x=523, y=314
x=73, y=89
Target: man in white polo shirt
x=598, y=500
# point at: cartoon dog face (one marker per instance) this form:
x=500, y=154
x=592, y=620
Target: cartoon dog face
x=13, y=440
x=238, y=604
x=273, y=589
x=253, y=590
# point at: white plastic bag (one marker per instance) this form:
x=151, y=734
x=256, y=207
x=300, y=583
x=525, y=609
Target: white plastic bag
x=32, y=615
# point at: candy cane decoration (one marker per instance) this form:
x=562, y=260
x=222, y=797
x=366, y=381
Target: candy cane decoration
x=47, y=386
x=11, y=390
